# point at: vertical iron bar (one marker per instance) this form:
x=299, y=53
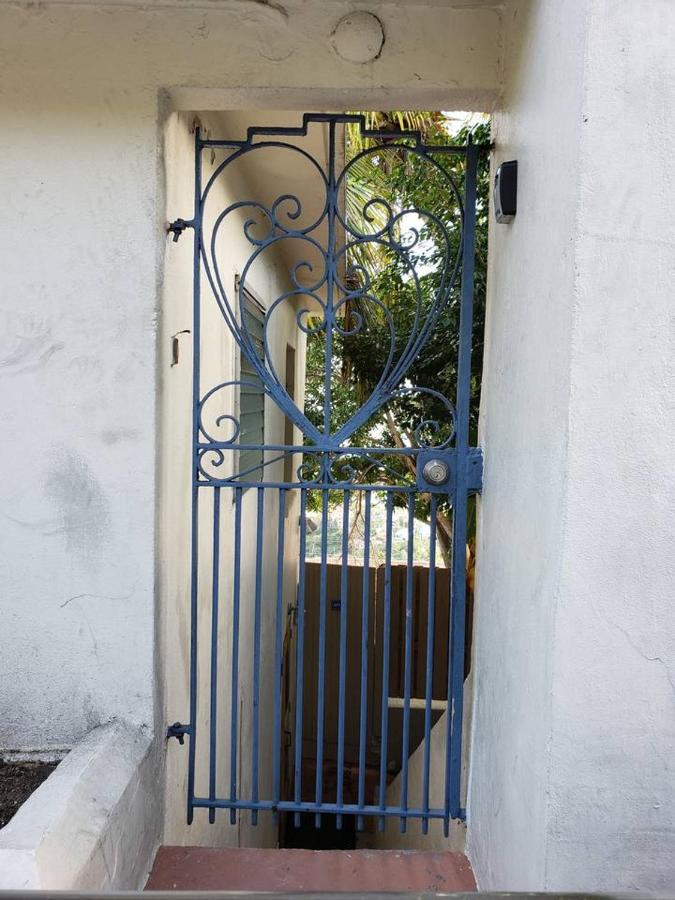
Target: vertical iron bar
x=194, y=564
x=327, y=408
x=321, y=677
x=234, y=701
x=453, y=759
x=386, y=636
x=330, y=277
x=276, y=748
x=214, y=652
x=407, y=671
x=256, y=654
x=431, y=618
x=344, y=600
x=365, y=600
x=300, y=658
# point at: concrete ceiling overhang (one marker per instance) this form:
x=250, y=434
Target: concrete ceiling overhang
x=447, y=4
x=229, y=54
x=271, y=4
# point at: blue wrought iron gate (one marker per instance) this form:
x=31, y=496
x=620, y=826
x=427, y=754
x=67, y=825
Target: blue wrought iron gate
x=280, y=488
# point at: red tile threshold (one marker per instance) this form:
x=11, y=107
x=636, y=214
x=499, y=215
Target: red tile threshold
x=225, y=869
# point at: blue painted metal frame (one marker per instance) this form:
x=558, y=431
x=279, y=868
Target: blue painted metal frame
x=325, y=468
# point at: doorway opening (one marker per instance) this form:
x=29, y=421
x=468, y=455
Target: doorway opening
x=338, y=300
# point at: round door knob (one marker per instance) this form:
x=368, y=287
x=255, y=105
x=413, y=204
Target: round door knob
x=436, y=471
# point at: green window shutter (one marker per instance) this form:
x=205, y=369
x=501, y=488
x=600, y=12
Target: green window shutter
x=252, y=394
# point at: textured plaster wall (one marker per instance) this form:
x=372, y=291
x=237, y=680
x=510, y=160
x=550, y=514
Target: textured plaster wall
x=84, y=89
x=613, y=740
x=574, y=731
x=524, y=435
x=77, y=325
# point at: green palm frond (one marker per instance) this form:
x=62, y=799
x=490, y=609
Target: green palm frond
x=368, y=175
x=402, y=120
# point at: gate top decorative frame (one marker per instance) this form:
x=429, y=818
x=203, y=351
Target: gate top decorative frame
x=323, y=284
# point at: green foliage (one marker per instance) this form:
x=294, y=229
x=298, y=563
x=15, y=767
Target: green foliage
x=385, y=181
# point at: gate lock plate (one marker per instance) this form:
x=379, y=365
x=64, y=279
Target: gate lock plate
x=436, y=471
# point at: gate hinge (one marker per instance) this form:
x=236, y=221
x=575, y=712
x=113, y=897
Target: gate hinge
x=177, y=227
x=178, y=730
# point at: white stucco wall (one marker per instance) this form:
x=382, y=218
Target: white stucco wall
x=79, y=273
x=523, y=433
x=84, y=90
x=613, y=748
x=574, y=732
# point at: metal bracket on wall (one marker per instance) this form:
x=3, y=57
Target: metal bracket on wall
x=474, y=470
x=177, y=227
x=175, y=346
x=178, y=730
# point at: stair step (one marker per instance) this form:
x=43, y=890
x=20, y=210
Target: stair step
x=226, y=869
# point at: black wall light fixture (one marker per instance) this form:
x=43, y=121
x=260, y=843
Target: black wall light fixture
x=506, y=191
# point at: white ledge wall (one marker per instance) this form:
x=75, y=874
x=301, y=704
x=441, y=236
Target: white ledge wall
x=94, y=824
x=574, y=735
